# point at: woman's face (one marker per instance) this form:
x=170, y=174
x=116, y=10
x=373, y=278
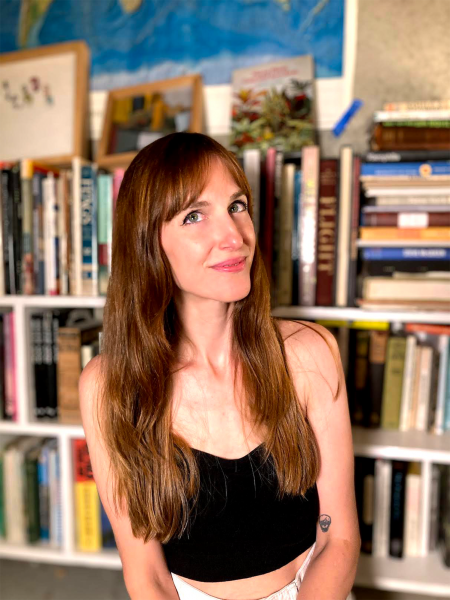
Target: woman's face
x=216, y=229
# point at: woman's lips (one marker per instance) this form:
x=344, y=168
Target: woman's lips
x=233, y=268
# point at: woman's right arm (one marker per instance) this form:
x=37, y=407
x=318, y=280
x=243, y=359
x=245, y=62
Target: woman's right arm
x=145, y=569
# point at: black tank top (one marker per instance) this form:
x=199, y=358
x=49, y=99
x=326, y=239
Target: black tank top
x=239, y=528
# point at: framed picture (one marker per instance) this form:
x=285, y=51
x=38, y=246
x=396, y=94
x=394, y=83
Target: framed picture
x=44, y=102
x=138, y=115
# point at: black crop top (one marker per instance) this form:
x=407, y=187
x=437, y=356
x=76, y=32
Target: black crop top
x=239, y=528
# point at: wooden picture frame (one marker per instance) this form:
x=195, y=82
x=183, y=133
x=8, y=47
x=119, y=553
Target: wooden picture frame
x=44, y=103
x=121, y=106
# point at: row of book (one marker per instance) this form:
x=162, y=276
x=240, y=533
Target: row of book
x=30, y=495
x=62, y=342
x=56, y=231
x=397, y=376
x=390, y=498
x=311, y=215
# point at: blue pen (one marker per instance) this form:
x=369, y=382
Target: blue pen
x=344, y=120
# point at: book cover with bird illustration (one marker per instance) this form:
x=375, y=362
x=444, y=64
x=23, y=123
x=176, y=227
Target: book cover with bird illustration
x=274, y=105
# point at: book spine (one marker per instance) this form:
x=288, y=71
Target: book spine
x=412, y=527
x=326, y=233
x=32, y=499
x=407, y=156
x=2, y=368
x=383, y=482
x=424, y=388
x=5, y=175
x=87, y=500
x=252, y=169
x=444, y=351
x=396, y=537
x=69, y=370
x=89, y=231
x=16, y=231
x=408, y=382
x=413, y=169
x=27, y=283
x=48, y=403
x=392, y=385
x=266, y=233
x=44, y=494
x=38, y=234
x=377, y=359
x=403, y=254
x=354, y=226
x=104, y=230
x=396, y=233
x=308, y=225
x=344, y=221
x=286, y=223
x=409, y=138
x=295, y=238
x=406, y=219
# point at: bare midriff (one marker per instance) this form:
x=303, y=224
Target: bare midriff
x=251, y=588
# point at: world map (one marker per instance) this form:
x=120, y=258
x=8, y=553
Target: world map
x=133, y=41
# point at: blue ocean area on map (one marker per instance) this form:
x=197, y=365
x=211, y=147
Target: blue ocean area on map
x=145, y=40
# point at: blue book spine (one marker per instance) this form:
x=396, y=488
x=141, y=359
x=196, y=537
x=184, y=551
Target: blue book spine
x=406, y=253
x=406, y=169
x=88, y=231
x=108, y=539
x=44, y=495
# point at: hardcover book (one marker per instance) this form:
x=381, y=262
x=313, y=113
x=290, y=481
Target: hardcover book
x=274, y=105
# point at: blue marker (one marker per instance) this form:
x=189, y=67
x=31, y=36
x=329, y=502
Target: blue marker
x=344, y=120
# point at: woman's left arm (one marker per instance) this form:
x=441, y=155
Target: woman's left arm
x=331, y=572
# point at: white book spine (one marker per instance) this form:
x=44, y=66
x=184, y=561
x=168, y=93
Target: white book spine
x=252, y=169
x=444, y=342
x=412, y=515
x=408, y=381
x=62, y=235
x=423, y=405
x=343, y=246
x=383, y=476
x=76, y=280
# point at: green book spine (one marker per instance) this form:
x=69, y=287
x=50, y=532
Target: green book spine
x=32, y=498
x=393, y=382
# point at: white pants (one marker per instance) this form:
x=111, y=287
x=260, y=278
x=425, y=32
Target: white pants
x=288, y=592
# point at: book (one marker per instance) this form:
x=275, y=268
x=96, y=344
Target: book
x=393, y=382
x=413, y=493
x=326, y=233
x=344, y=225
x=441, y=114
x=376, y=367
x=252, y=169
x=284, y=266
x=257, y=94
x=397, y=516
x=87, y=500
x=104, y=209
x=408, y=382
x=409, y=138
x=417, y=105
x=308, y=225
x=441, y=234
x=387, y=288
x=407, y=156
x=382, y=510
x=406, y=170
x=406, y=219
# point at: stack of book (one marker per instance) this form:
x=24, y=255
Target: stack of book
x=405, y=220
x=389, y=496
x=412, y=126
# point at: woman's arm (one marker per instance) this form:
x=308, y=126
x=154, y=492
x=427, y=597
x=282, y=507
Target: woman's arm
x=145, y=571
x=331, y=572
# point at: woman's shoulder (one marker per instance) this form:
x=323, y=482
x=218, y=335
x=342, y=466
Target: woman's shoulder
x=306, y=338
x=89, y=382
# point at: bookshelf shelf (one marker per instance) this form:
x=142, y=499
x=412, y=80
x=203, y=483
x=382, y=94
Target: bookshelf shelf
x=37, y=301
x=402, y=445
x=50, y=429
x=107, y=559
x=419, y=575
x=359, y=314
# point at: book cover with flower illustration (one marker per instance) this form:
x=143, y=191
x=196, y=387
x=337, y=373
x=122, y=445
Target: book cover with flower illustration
x=274, y=105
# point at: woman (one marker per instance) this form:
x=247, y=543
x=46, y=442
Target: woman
x=219, y=436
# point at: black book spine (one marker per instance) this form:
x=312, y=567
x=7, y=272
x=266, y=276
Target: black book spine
x=397, y=520
x=365, y=489
x=37, y=362
x=7, y=229
x=47, y=358
x=38, y=239
x=17, y=229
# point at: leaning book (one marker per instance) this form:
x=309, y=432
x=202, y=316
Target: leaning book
x=274, y=105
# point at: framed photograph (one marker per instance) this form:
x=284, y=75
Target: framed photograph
x=137, y=116
x=44, y=103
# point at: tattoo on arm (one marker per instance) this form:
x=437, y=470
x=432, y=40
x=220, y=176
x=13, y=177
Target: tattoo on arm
x=324, y=522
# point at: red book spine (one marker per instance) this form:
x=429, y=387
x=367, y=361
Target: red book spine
x=406, y=219
x=326, y=233
x=81, y=461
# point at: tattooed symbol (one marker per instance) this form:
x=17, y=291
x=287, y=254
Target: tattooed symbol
x=324, y=522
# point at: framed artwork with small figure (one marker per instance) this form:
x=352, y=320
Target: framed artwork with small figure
x=44, y=103
x=137, y=116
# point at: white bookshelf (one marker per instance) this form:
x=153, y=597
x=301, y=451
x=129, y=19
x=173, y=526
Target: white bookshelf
x=425, y=575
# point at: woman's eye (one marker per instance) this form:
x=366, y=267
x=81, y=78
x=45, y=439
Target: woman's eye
x=188, y=221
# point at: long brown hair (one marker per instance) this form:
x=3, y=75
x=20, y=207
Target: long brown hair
x=154, y=470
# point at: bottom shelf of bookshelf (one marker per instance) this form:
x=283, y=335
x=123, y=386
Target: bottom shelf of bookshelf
x=106, y=559
x=421, y=575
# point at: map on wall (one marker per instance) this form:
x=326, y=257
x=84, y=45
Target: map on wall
x=134, y=41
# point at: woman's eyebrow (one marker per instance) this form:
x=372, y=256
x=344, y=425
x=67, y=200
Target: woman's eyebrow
x=202, y=203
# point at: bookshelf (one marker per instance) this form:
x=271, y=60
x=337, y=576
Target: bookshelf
x=426, y=575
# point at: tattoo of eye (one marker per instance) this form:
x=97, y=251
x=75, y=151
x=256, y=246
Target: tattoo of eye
x=324, y=522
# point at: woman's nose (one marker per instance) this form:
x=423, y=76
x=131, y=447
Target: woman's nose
x=228, y=233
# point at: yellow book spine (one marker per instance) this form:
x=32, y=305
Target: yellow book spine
x=398, y=233
x=87, y=506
